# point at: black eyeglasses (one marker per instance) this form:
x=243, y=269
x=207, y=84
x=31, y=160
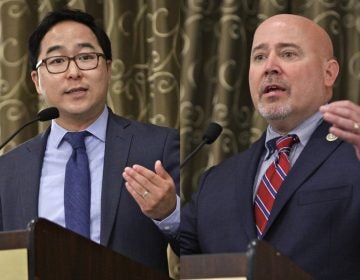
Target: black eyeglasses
x=59, y=64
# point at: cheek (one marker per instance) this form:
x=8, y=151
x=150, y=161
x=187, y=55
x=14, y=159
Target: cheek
x=308, y=93
x=253, y=81
x=254, y=84
x=102, y=81
x=49, y=87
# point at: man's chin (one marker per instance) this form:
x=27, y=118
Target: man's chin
x=274, y=113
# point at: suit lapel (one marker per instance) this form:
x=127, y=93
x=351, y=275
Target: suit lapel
x=28, y=180
x=117, y=149
x=314, y=154
x=246, y=177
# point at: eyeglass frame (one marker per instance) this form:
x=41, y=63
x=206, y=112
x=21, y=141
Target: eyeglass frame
x=69, y=58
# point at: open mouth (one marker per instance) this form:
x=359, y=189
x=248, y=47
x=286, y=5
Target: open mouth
x=76, y=90
x=273, y=88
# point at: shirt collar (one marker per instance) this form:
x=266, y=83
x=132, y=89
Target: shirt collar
x=303, y=131
x=97, y=129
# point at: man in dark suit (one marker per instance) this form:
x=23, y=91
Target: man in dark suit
x=303, y=199
x=131, y=203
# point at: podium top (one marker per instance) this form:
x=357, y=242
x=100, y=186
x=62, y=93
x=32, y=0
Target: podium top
x=57, y=253
x=260, y=262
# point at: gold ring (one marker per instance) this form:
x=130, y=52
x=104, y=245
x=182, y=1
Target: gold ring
x=356, y=126
x=145, y=194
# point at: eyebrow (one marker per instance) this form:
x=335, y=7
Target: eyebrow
x=278, y=46
x=59, y=47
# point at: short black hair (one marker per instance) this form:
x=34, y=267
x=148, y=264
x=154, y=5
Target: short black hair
x=55, y=17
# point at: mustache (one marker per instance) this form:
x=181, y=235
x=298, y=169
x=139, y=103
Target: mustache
x=273, y=81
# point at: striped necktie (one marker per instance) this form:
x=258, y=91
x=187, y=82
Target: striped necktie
x=271, y=182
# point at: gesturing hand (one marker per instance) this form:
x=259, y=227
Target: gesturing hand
x=154, y=192
x=345, y=118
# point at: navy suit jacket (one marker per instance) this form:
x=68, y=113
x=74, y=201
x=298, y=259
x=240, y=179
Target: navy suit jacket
x=315, y=219
x=123, y=226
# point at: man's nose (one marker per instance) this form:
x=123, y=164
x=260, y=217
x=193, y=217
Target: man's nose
x=272, y=65
x=73, y=69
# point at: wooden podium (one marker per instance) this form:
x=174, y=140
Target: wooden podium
x=48, y=251
x=260, y=262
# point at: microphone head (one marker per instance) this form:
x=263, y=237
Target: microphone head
x=48, y=114
x=212, y=133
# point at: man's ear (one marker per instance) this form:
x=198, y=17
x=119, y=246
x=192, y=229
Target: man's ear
x=108, y=67
x=331, y=72
x=35, y=79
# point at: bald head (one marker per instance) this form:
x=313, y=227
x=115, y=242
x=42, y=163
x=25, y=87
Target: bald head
x=303, y=28
x=292, y=70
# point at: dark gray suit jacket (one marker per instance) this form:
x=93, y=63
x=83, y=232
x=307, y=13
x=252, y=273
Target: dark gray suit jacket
x=315, y=219
x=123, y=227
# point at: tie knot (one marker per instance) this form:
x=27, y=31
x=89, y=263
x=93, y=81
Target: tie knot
x=76, y=139
x=285, y=143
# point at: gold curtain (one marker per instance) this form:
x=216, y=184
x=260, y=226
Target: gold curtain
x=217, y=39
x=146, y=52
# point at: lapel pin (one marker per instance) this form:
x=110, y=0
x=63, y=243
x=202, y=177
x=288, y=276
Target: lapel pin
x=331, y=137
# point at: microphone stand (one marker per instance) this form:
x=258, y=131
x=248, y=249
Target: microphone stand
x=44, y=115
x=189, y=156
x=212, y=133
x=17, y=131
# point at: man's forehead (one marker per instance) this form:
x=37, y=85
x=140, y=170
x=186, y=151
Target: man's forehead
x=293, y=29
x=276, y=29
x=278, y=34
x=287, y=20
x=57, y=38
x=277, y=45
x=75, y=46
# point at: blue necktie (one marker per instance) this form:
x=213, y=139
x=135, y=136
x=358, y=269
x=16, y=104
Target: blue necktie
x=77, y=190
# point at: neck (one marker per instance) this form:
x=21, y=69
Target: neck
x=282, y=127
x=76, y=123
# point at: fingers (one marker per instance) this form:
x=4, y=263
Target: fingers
x=139, y=198
x=160, y=170
x=345, y=119
x=345, y=135
x=344, y=115
x=145, y=179
x=137, y=183
x=153, y=191
x=340, y=104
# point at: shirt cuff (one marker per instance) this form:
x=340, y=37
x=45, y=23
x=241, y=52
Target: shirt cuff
x=170, y=225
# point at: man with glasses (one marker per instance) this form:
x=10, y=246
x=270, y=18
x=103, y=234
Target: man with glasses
x=59, y=64
x=110, y=179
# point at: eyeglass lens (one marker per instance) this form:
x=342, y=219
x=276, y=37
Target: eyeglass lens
x=84, y=61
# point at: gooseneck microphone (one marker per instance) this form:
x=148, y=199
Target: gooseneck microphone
x=47, y=114
x=211, y=134
x=44, y=115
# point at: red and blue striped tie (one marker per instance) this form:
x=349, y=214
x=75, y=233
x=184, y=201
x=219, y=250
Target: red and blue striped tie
x=271, y=182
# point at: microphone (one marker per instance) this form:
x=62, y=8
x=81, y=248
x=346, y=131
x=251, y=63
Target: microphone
x=47, y=114
x=44, y=115
x=211, y=134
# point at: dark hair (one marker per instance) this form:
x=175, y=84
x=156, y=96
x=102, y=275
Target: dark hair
x=55, y=17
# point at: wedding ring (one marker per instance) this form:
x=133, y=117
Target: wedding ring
x=145, y=194
x=356, y=126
